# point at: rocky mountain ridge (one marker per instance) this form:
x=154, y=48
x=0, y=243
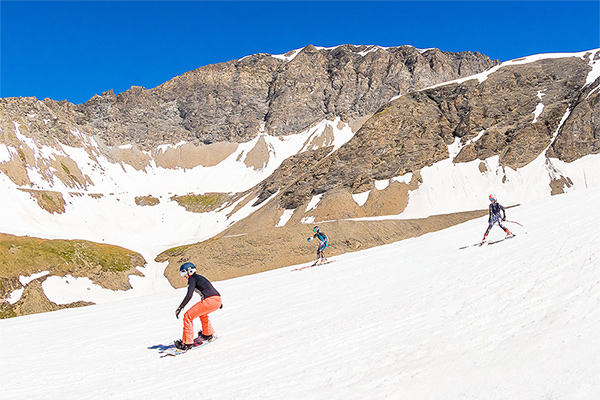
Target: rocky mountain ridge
x=232, y=101
x=415, y=130
x=228, y=158
x=214, y=108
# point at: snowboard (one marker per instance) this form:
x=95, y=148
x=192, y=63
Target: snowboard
x=174, y=351
x=312, y=265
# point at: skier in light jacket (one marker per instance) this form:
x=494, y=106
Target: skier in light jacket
x=497, y=215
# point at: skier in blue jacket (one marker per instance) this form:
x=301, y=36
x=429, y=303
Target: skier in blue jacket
x=497, y=215
x=323, y=242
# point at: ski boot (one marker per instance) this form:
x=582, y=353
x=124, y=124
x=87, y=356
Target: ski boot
x=205, y=338
x=182, y=346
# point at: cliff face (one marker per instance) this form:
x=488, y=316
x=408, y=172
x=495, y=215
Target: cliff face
x=221, y=105
x=235, y=100
x=516, y=113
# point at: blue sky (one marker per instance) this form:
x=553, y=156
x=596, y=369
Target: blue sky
x=73, y=50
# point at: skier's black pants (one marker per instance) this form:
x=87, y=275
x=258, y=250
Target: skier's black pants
x=493, y=220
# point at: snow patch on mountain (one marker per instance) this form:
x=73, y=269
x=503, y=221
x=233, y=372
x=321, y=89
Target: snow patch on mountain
x=539, y=108
x=314, y=201
x=406, y=178
x=231, y=175
x=285, y=217
x=27, y=279
x=361, y=198
x=449, y=187
x=481, y=77
x=382, y=184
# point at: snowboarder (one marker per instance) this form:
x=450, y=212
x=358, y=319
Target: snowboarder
x=323, y=242
x=211, y=301
x=497, y=215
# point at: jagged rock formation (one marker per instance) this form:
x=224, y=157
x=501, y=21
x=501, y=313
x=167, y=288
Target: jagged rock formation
x=231, y=101
x=416, y=129
x=221, y=105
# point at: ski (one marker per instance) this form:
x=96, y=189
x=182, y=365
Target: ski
x=471, y=245
x=174, y=351
x=312, y=265
x=485, y=243
x=501, y=240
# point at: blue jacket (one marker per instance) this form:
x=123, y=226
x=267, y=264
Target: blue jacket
x=322, y=238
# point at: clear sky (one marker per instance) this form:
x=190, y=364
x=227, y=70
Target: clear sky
x=73, y=50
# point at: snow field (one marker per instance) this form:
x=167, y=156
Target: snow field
x=116, y=219
x=414, y=319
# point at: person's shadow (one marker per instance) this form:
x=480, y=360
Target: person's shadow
x=162, y=348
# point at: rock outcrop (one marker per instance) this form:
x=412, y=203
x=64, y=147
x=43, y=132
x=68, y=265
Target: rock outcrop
x=217, y=105
x=235, y=100
x=416, y=129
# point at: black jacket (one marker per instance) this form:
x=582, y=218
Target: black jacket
x=496, y=211
x=201, y=285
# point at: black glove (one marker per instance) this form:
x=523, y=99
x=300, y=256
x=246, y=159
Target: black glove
x=178, y=311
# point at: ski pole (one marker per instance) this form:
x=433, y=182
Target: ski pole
x=513, y=222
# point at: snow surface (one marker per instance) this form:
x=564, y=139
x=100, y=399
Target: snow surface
x=285, y=217
x=382, y=184
x=361, y=198
x=27, y=279
x=417, y=319
x=539, y=108
x=406, y=178
x=15, y=295
x=314, y=201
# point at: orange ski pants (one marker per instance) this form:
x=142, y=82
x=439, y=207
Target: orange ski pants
x=200, y=309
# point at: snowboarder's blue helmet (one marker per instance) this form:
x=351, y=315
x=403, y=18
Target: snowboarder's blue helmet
x=492, y=197
x=316, y=229
x=187, y=268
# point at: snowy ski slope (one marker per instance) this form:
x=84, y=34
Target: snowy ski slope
x=417, y=319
